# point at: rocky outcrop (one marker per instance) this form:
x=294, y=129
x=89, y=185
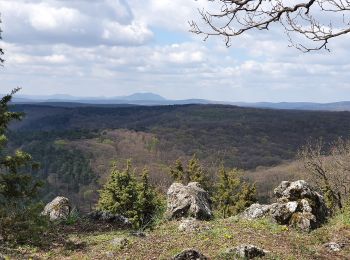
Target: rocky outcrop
x=188, y=201
x=190, y=254
x=247, y=251
x=297, y=205
x=58, y=209
x=105, y=216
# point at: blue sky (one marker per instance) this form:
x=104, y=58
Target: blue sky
x=119, y=47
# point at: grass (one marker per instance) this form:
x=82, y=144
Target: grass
x=166, y=241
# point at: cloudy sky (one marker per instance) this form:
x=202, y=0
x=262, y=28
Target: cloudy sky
x=119, y=47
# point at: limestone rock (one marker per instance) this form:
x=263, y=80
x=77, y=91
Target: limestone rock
x=189, y=225
x=190, y=254
x=138, y=234
x=105, y=216
x=58, y=209
x=298, y=205
x=293, y=191
x=304, y=221
x=282, y=212
x=249, y=251
x=334, y=247
x=188, y=201
x=120, y=242
x=256, y=211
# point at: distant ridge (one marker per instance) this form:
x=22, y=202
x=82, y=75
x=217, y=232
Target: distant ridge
x=151, y=99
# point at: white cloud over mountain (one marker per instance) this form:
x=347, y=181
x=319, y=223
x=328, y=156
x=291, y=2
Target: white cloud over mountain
x=117, y=47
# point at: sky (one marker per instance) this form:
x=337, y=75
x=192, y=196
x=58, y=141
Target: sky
x=109, y=48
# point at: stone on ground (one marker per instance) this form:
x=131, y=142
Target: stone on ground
x=334, y=247
x=105, y=216
x=188, y=201
x=58, y=209
x=248, y=251
x=190, y=254
x=120, y=242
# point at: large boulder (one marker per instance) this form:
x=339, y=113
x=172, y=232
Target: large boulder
x=298, y=205
x=58, y=209
x=188, y=201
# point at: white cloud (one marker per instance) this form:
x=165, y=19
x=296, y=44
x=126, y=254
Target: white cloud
x=72, y=22
x=110, y=47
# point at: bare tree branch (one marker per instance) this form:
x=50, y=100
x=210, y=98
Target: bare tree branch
x=298, y=18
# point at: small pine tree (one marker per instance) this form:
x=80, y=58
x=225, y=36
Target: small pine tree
x=19, y=215
x=147, y=201
x=232, y=195
x=119, y=194
x=196, y=172
x=193, y=173
x=227, y=190
x=124, y=194
x=177, y=172
x=246, y=197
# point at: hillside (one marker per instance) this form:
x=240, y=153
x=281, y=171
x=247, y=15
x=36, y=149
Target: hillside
x=75, y=145
x=82, y=241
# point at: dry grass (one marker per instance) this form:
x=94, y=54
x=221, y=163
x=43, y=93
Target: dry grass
x=165, y=241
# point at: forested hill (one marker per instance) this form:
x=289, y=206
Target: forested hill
x=244, y=137
x=75, y=145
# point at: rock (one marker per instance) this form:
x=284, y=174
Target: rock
x=2, y=257
x=293, y=191
x=188, y=201
x=105, y=216
x=334, y=247
x=189, y=225
x=190, y=254
x=138, y=234
x=298, y=205
x=256, y=211
x=304, y=221
x=58, y=209
x=248, y=251
x=120, y=242
x=305, y=206
x=282, y=212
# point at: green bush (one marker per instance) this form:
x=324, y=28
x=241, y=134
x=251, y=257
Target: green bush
x=232, y=195
x=133, y=198
x=20, y=220
x=193, y=173
x=22, y=224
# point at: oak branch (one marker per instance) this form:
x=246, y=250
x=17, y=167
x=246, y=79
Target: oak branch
x=309, y=25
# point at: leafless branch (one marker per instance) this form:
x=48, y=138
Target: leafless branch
x=298, y=18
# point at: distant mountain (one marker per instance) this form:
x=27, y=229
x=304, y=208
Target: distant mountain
x=335, y=106
x=151, y=99
x=146, y=99
x=142, y=96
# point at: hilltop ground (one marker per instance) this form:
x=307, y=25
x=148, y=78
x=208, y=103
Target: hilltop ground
x=85, y=241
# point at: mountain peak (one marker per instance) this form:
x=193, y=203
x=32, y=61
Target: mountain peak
x=144, y=96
